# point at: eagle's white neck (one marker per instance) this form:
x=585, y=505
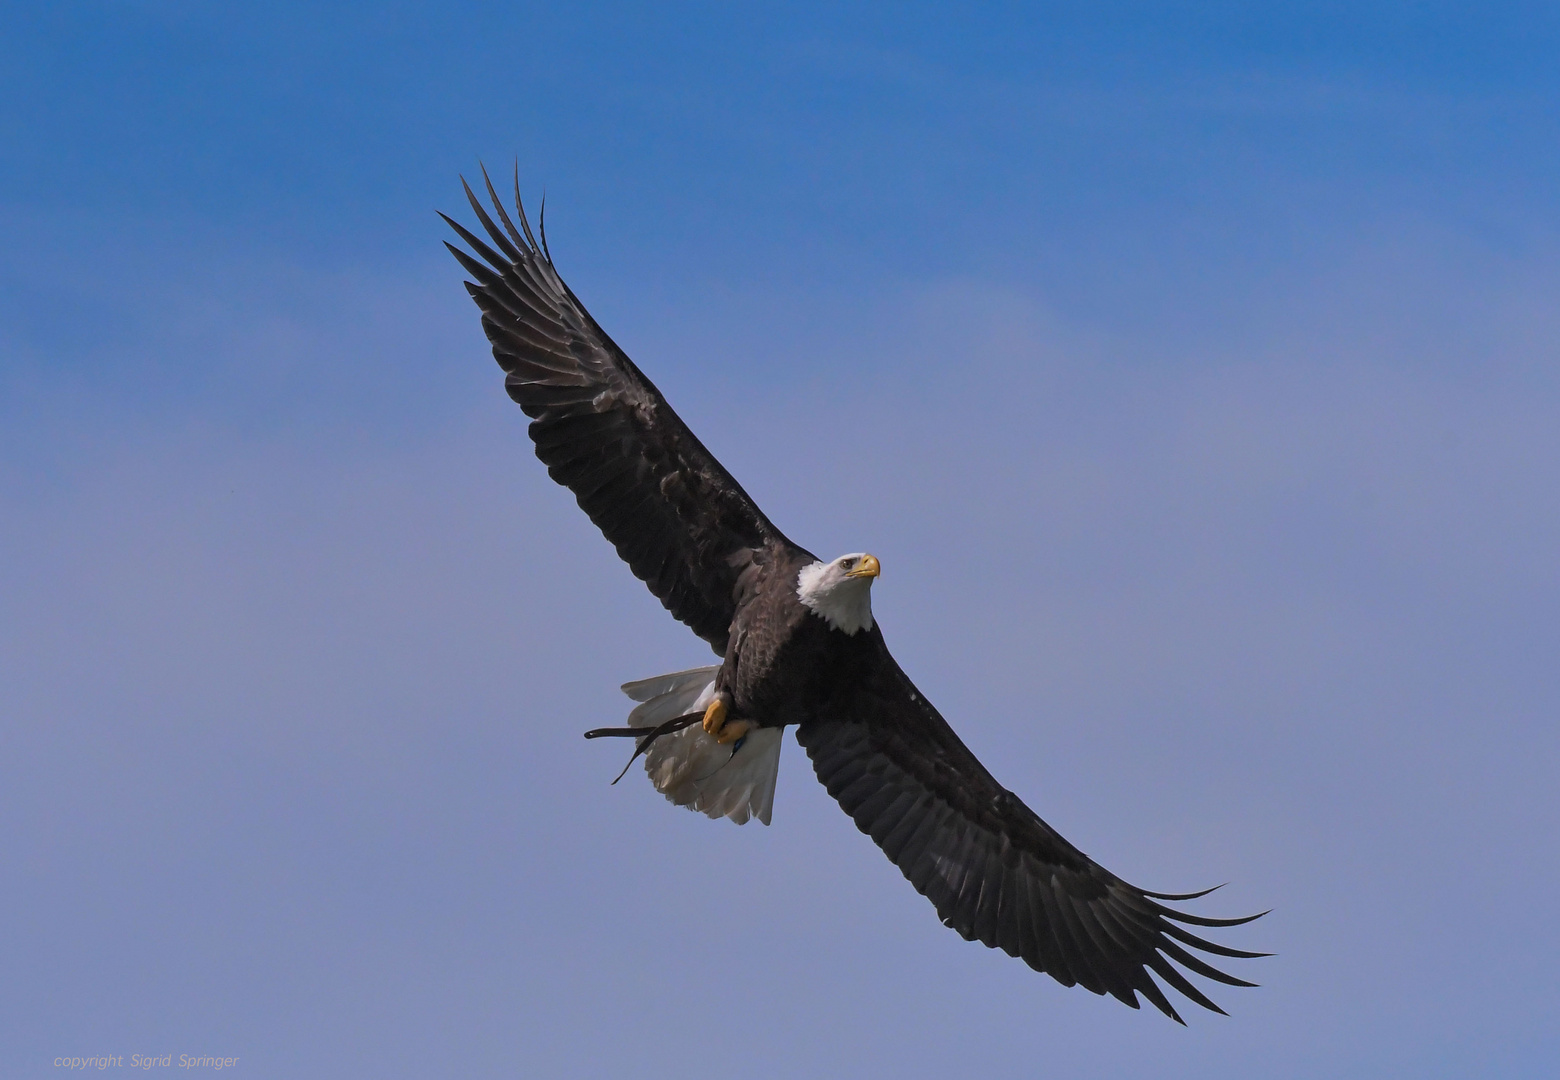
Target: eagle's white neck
x=845, y=603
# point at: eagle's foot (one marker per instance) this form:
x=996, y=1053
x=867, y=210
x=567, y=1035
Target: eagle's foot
x=716, y=724
x=732, y=731
x=715, y=717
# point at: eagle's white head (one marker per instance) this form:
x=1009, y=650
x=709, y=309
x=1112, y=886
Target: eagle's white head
x=840, y=592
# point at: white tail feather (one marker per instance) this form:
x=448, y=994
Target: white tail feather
x=689, y=767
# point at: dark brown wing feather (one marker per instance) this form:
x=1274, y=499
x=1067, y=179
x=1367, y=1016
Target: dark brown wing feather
x=675, y=515
x=994, y=870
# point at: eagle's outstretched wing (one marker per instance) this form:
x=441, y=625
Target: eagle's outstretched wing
x=675, y=515
x=994, y=870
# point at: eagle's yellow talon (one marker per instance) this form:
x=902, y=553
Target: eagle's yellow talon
x=732, y=731
x=715, y=717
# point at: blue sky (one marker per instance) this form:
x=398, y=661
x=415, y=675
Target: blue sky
x=1200, y=362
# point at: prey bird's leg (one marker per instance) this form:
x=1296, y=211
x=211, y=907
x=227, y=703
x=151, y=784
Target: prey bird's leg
x=645, y=735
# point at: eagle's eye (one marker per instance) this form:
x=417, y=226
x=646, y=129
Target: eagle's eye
x=847, y=563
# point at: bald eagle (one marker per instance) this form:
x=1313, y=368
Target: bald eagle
x=798, y=645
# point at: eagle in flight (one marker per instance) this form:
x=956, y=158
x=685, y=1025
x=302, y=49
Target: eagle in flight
x=798, y=646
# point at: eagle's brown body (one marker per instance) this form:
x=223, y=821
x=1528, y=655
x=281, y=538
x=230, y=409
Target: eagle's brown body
x=783, y=664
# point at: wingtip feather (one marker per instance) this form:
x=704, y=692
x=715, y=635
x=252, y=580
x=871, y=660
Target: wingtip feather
x=487, y=222
x=1180, y=896
x=498, y=205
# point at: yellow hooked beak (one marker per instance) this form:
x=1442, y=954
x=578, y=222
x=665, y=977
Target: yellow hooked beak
x=868, y=567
